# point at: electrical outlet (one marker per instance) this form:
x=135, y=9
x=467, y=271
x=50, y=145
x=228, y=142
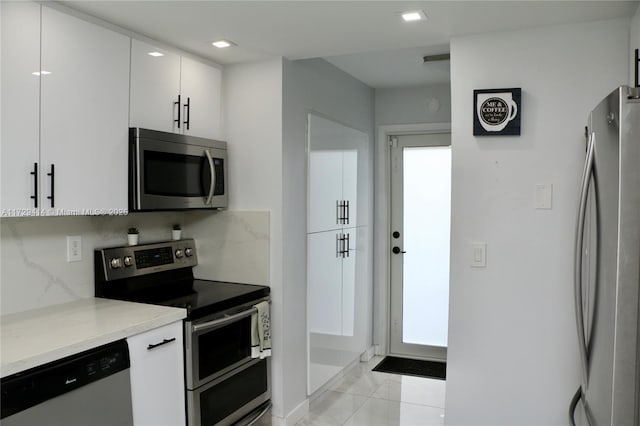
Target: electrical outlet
x=74, y=248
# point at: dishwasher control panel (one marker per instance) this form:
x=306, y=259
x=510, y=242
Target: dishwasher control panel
x=28, y=388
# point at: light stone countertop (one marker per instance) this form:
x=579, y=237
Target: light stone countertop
x=36, y=337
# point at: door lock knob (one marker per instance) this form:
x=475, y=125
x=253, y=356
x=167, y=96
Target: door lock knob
x=396, y=250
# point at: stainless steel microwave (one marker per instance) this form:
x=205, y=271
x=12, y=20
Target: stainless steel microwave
x=168, y=171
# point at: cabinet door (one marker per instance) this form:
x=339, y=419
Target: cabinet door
x=325, y=284
x=350, y=185
x=349, y=283
x=20, y=105
x=157, y=376
x=200, y=86
x=155, y=85
x=84, y=115
x=325, y=189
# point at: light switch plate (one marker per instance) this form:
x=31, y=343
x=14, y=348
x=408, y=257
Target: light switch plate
x=544, y=195
x=74, y=248
x=478, y=255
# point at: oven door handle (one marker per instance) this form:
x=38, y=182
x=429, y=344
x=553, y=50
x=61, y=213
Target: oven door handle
x=222, y=321
x=213, y=176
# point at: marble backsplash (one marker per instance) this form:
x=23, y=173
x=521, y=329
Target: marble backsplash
x=34, y=272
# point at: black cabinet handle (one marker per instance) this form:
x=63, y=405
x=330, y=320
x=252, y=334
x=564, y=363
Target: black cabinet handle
x=347, y=210
x=179, y=107
x=34, y=173
x=53, y=186
x=164, y=342
x=341, y=212
x=637, y=63
x=348, y=248
x=187, y=112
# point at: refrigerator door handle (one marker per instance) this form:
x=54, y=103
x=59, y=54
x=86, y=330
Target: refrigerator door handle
x=577, y=273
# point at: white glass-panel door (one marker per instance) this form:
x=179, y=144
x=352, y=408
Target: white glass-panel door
x=420, y=242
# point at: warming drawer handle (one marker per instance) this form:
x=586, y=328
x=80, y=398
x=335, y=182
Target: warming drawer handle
x=259, y=415
x=227, y=319
x=164, y=342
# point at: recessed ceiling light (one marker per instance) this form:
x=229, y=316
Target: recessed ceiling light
x=155, y=54
x=221, y=44
x=42, y=72
x=413, y=16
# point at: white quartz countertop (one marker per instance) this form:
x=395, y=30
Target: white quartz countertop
x=36, y=337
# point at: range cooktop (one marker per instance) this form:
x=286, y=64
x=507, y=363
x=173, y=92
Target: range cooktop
x=209, y=297
x=161, y=274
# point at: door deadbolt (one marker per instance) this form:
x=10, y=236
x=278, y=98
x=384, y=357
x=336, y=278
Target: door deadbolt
x=396, y=250
x=396, y=234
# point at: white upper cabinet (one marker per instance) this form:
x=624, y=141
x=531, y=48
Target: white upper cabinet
x=201, y=85
x=155, y=86
x=65, y=89
x=84, y=118
x=20, y=107
x=173, y=93
x=325, y=190
x=338, y=175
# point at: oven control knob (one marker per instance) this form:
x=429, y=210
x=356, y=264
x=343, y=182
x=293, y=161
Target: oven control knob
x=115, y=263
x=128, y=261
x=179, y=253
x=188, y=252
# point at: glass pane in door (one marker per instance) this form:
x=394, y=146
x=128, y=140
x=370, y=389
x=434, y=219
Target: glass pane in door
x=427, y=220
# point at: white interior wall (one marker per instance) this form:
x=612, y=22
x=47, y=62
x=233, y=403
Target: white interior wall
x=310, y=86
x=253, y=126
x=411, y=105
x=511, y=324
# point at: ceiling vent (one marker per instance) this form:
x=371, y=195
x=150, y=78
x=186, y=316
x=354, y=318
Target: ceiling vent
x=436, y=58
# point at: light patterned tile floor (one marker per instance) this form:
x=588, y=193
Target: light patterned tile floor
x=367, y=398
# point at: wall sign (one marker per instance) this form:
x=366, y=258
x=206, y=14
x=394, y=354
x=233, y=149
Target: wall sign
x=496, y=112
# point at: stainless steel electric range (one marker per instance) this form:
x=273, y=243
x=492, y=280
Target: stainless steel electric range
x=224, y=384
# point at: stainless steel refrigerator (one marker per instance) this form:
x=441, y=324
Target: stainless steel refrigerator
x=607, y=266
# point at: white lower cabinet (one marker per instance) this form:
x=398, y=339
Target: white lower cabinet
x=333, y=278
x=157, y=376
x=325, y=283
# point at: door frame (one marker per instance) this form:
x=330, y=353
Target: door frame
x=382, y=226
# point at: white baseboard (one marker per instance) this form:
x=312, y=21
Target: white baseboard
x=368, y=354
x=296, y=414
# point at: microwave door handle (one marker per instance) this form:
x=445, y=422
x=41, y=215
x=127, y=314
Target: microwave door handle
x=213, y=176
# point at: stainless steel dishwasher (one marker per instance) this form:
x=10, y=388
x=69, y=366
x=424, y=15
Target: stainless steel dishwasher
x=91, y=388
